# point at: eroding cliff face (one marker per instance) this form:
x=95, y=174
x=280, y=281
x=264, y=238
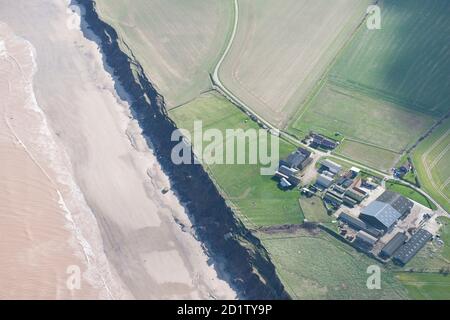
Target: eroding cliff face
x=239, y=257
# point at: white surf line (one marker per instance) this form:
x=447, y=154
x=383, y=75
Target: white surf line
x=68, y=216
x=87, y=250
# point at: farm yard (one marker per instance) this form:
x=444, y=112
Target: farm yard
x=281, y=49
x=177, y=42
x=256, y=198
x=314, y=265
x=431, y=160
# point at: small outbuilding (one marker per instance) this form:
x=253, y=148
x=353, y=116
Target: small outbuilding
x=331, y=166
x=324, y=181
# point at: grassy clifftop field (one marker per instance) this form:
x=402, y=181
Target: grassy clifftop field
x=176, y=41
x=314, y=265
x=256, y=198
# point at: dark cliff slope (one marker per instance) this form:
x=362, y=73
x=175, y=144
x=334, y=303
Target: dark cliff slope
x=240, y=257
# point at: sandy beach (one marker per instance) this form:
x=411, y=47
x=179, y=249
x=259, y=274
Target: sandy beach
x=39, y=244
x=78, y=184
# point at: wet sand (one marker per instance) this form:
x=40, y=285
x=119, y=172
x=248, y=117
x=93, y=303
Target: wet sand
x=121, y=227
x=38, y=245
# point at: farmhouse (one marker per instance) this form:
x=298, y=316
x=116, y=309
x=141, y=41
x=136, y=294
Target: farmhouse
x=287, y=177
x=384, y=212
x=298, y=159
x=289, y=168
x=412, y=247
x=331, y=166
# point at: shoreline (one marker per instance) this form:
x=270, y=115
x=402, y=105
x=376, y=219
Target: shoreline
x=220, y=232
x=127, y=224
x=35, y=213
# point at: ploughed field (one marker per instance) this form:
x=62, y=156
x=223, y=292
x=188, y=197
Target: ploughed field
x=282, y=48
x=387, y=86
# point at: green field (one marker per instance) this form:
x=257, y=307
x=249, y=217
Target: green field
x=410, y=193
x=314, y=210
x=431, y=161
x=361, y=118
x=282, y=48
x=317, y=266
x=407, y=61
x=426, y=286
x=375, y=157
x=256, y=198
x=177, y=42
x=386, y=87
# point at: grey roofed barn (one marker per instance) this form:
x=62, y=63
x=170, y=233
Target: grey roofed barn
x=285, y=183
x=384, y=212
x=358, y=224
x=298, y=159
x=380, y=215
x=397, y=201
x=287, y=171
x=391, y=247
x=410, y=248
x=324, y=181
x=332, y=166
x=365, y=237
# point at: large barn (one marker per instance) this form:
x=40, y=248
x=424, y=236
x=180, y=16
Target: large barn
x=384, y=212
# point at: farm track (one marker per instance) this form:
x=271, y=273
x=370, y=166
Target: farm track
x=219, y=86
